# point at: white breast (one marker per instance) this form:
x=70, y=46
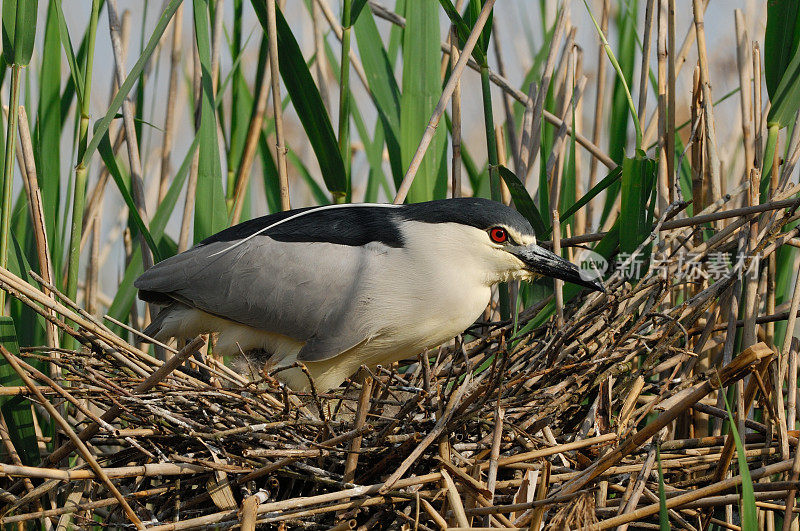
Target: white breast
x=432, y=288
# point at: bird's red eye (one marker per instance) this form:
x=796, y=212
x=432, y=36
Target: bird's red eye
x=498, y=235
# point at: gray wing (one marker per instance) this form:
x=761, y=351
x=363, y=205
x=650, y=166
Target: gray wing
x=307, y=291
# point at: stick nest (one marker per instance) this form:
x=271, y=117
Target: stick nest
x=553, y=425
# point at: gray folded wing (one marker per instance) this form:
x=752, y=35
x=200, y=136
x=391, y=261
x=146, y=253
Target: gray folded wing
x=307, y=291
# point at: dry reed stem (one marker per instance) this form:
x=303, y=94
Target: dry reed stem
x=298, y=503
x=672, y=73
x=750, y=297
x=37, y=214
x=92, y=282
x=735, y=370
x=693, y=221
x=638, y=487
x=525, y=155
x=132, y=142
x=599, y=107
x=699, y=193
x=250, y=149
x=455, y=499
x=69, y=508
x=172, y=95
x=95, y=198
x=535, y=137
x=745, y=67
x=160, y=374
x=506, y=87
x=708, y=102
x=355, y=61
x=694, y=495
x=786, y=349
x=79, y=444
x=447, y=93
x=555, y=161
x=679, y=61
x=494, y=455
x=116, y=135
x=664, y=188
x=558, y=284
x=455, y=121
x=355, y=444
x=321, y=68
x=249, y=509
x=191, y=181
x=502, y=160
x=645, y=68
x=12, y=453
x=791, y=400
x=580, y=189
x=434, y=514
x=758, y=119
x=277, y=111
x=510, y=125
x=789, y=518
x=448, y=412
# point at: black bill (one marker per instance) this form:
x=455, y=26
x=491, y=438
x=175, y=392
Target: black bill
x=543, y=262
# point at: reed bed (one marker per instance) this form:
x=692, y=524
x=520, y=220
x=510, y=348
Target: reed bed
x=669, y=401
x=559, y=426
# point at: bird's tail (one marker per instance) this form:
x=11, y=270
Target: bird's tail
x=153, y=330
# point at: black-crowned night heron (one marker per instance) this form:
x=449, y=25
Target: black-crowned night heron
x=338, y=286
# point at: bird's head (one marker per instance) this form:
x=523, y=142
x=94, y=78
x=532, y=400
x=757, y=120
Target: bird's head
x=499, y=239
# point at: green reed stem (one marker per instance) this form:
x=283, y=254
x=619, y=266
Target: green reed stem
x=615, y=63
x=344, y=98
x=8, y=174
x=82, y=169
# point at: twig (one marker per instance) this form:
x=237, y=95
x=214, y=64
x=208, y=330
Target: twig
x=351, y=463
